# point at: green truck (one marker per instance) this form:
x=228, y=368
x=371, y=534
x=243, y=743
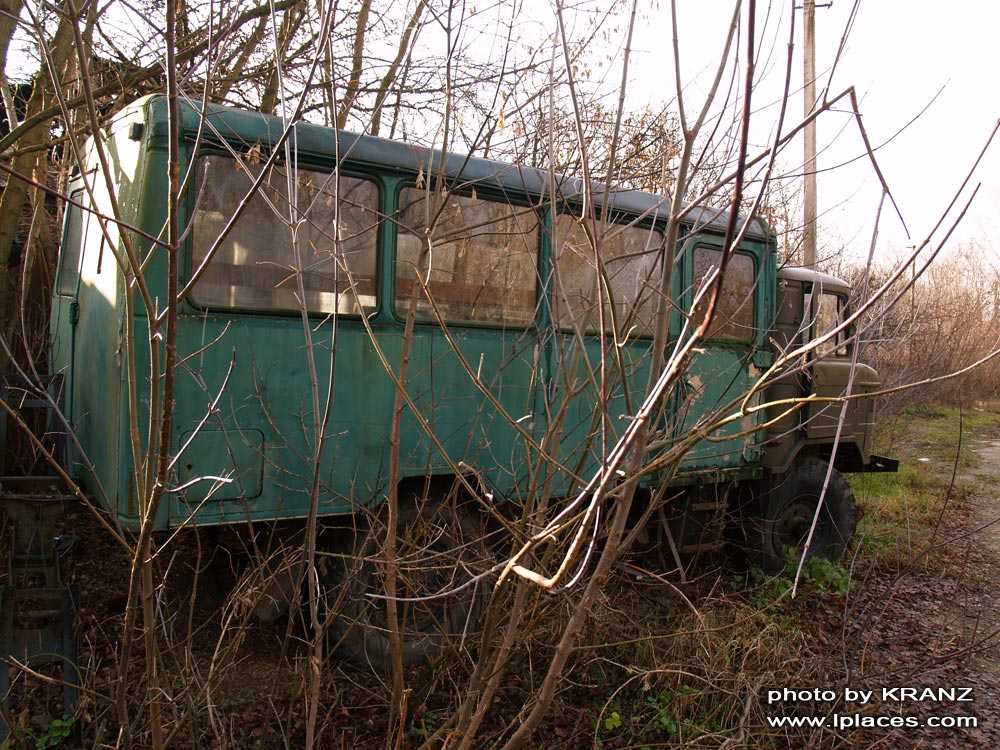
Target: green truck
x=306, y=250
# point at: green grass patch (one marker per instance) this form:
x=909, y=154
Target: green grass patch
x=933, y=444
x=939, y=433
x=913, y=496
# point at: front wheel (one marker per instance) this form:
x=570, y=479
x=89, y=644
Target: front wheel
x=784, y=516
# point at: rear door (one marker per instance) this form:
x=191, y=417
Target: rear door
x=722, y=368
x=470, y=259
x=65, y=307
x=604, y=295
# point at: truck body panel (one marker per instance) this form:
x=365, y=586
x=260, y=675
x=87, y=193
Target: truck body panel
x=519, y=387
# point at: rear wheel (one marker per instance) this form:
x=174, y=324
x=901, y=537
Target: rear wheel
x=439, y=551
x=779, y=528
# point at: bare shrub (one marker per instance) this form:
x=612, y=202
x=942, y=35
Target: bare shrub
x=945, y=320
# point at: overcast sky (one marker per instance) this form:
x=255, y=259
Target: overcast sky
x=903, y=57
x=925, y=76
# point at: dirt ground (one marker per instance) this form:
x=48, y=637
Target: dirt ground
x=979, y=615
x=935, y=624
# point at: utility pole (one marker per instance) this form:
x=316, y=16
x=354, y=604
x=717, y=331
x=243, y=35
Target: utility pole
x=809, y=161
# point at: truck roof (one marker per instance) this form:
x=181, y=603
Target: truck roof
x=827, y=282
x=232, y=125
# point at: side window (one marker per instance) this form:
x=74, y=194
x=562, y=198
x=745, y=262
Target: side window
x=72, y=248
x=830, y=313
x=630, y=258
x=478, y=258
x=255, y=266
x=736, y=311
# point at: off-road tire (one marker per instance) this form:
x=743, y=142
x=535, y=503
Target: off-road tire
x=778, y=522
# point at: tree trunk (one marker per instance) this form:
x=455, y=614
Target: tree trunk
x=289, y=25
x=10, y=10
x=357, y=63
x=15, y=193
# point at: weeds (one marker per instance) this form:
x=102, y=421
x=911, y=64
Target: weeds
x=54, y=735
x=653, y=668
x=699, y=683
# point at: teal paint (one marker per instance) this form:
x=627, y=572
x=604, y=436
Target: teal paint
x=251, y=365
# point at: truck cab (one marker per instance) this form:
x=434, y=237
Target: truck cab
x=810, y=305
x=820, y=426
